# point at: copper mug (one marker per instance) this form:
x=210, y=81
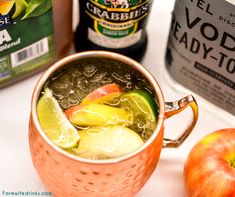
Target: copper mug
x=67, y=175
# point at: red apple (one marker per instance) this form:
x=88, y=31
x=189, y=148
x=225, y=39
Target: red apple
x=209, y=170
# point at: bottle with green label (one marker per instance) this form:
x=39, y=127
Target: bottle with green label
x=33, y=34
x=114, y=25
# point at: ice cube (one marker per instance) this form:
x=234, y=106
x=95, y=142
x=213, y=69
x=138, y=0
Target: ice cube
x=73, y=99
x=81, y=83
x=60, y=89
x=89, y=70
x=98, y=77
x=65, y=78
x=75, y=75
x=106, y=80
x=128, y=76
x=81, y=93
x=129, y=85
x=118, y=77
x=64, y=103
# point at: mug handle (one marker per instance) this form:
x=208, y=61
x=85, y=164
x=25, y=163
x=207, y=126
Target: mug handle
x=172, y=108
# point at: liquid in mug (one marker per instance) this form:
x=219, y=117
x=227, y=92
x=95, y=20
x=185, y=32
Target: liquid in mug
x=94, y=111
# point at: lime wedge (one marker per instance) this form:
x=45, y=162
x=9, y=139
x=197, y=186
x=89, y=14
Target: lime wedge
x=54, y=122
x=107, y=142
x=94, y=114
x=144, y=110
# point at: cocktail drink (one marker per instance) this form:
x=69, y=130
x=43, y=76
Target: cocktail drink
x=97, y=109
x=97, y=125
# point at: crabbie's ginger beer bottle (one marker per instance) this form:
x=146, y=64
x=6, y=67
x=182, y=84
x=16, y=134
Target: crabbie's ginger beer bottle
x=201, y=50
x=113, y=25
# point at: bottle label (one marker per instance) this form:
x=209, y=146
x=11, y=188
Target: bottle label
x=116, y=23
x=26, y=36
x=201, y=49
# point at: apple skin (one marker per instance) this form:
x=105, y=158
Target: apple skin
x=209, y=170
x=103, y=93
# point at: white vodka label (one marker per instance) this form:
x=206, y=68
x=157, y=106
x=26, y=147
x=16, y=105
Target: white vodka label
x=201, y=49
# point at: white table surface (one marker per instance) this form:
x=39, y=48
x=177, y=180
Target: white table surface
x=16, y=170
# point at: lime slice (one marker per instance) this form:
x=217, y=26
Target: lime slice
x=54, y=122
x=94, y=114
x=107, y=142
x=144, y=110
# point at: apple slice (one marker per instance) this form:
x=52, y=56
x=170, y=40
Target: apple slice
x=107, y=142
x=94, y=114
x=103, y=93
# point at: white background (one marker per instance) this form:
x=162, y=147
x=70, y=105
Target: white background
x=16, y=170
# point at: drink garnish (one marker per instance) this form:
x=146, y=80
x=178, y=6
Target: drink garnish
x=94, y=114
x=107, y=142
x=54, y=122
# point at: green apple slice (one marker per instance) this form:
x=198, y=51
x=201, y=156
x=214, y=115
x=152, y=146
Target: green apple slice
x=107, y=142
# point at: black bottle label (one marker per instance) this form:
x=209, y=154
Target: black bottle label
x=116, y=23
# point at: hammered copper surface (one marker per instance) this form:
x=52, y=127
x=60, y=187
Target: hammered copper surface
x=66, y=177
